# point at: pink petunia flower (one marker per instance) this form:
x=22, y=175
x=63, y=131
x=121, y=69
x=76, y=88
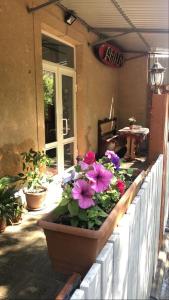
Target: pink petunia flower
x=121, y=186
x=89, y=158
x=100, y=178
x=82, y=192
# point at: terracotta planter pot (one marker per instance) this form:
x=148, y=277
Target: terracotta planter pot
x=35, y=200
x=73, y=249
x=2, y=224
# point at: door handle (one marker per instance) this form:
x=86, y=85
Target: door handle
x=66, y=126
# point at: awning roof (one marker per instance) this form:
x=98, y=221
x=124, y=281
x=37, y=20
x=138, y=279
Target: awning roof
x=134, y=25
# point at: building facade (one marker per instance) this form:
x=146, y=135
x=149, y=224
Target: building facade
x=53, y=89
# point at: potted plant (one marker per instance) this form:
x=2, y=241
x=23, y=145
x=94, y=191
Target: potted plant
x=18, y=210
x=10, y=207
x=95, y=196
x=34, y=177
x=132, y=121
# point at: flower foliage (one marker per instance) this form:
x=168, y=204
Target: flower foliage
x=92, y=190
x=132, y=120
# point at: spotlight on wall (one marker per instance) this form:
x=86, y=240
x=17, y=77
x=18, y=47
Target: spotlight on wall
x=69, y=17
x=157, y=76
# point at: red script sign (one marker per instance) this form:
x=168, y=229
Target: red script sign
x=110, y=55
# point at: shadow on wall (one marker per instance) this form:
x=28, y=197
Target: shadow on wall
x=87, y=139
x=10, y=160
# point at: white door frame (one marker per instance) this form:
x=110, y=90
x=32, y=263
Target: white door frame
x=60, y=70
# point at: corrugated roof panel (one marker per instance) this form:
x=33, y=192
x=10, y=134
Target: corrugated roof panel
x=156, y=40
x=131, y=42
x=152, y=14
x=147, y=13
x=97, y=12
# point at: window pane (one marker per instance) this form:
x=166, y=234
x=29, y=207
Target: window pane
x=52, y=153
x=57, y=52
x=68, y=155
x=49, y=106
x=67, y=100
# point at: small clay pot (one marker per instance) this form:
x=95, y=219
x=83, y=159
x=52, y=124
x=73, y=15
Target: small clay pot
x=35, y=200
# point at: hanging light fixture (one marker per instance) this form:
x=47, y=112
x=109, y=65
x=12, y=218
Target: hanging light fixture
x=69, y=18
x=157, y=76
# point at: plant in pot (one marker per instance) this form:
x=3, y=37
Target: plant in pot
x=10, y=207
x=18, y=210
x=34, y=177
x=94, y=199
x=132, y=121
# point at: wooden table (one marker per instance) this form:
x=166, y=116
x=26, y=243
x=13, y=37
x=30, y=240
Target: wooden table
x=134, y=137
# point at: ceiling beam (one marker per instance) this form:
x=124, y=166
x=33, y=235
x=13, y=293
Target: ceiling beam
x=33, y=9
x=130, y=30
x=137, y=56
x=108, y=39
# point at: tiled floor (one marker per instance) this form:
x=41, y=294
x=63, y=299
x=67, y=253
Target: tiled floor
x=25, y=269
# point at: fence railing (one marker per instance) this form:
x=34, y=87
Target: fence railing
x=125, y=267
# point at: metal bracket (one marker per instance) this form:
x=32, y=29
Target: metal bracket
x=33, y=9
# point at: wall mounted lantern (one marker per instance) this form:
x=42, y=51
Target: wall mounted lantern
x=157, y=76
x=69, y=17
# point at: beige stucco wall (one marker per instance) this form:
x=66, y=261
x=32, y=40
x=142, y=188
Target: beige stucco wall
x=21, y=97
x=133, y=91
x=18, y=128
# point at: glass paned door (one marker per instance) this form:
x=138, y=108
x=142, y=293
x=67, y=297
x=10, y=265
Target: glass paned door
x=49, y=86
x=60, y=115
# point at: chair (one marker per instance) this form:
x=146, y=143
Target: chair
x=107, y=129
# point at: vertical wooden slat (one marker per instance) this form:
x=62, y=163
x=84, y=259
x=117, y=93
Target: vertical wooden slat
x=105, y=258
x=120, y=240
x=142, y=244
x=91, y=284
x=78, y=295
x=134, y=216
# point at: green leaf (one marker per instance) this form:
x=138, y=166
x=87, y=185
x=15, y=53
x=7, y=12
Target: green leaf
x=74, y=222
x=102, y=213
x=65, y=200
x=130, y=171
x=73, y=208
x=91, y=224
x=98, y=222
x=83, y=215
x=60, y=210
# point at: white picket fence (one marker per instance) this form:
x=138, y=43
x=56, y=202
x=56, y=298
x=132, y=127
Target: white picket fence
x=125, y=267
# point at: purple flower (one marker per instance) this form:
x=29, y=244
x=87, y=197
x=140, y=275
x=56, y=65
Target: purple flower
x=114, y=158
x=100, y=178
x=82, y=192
x=83, y=165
